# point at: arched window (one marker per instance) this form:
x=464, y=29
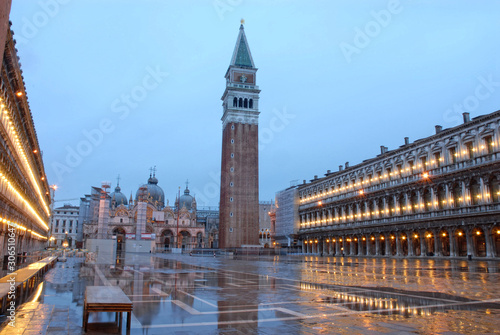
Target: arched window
x=414, y=202
x=245, y=103
x=380, y=206
x=427, y=200
x=235, y=102
x=250, y=103
x=240, y=104
x=457, y=194
x=392, y=207
x=475, y=192
x=441, y=195
x=401, y=204
x=494, y=189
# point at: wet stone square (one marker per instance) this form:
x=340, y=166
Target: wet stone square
x=182, y=294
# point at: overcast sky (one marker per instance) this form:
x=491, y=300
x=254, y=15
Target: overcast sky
x=119, y=86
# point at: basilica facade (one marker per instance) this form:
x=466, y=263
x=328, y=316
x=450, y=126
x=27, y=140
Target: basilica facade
x=176, y=226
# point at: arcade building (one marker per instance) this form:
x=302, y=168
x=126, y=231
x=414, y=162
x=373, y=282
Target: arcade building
x=437, y=196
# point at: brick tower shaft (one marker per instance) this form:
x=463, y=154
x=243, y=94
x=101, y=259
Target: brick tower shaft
x=239, y=195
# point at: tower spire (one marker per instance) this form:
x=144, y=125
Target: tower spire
x=242, y=57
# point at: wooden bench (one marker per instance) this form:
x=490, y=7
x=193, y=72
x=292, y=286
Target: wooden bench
x=106, y=299
x=26, y=279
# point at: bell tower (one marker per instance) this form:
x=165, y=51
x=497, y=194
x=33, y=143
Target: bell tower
x=239, y=194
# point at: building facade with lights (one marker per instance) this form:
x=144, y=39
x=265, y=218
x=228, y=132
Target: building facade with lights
x=437, y=196
x=24, y=191
x=65, y=225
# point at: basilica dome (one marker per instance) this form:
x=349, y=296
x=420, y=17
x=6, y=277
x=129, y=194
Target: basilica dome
x=118, y=197
x=186, y=200
x=154, y=192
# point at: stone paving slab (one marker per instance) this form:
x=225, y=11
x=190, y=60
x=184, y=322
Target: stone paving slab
x=179, y=294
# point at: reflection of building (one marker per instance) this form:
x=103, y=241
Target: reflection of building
x=181, y=225
x=65, y=225
x=239, y=195
x=24, y=191
x=437, y=196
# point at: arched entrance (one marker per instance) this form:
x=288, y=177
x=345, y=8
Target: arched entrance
x=167, y=239
x=479, y=242
x=496, y=241
x=429, y=243
x=461, y=241
x=444, y=244
x=120, y=239
x=382, y=250
x=404, y=244
x=185, y=240
x=199, y=240
x=415, y=241
x=392, y=245
x=372, y=245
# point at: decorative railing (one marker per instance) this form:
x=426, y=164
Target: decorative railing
x=398, y=219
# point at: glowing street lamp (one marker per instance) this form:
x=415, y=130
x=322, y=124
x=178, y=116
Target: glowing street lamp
x=65, y=244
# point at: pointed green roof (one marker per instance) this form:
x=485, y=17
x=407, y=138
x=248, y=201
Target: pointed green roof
x=241, y=55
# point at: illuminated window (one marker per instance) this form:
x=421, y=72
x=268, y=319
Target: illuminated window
x=437, y=158
x=452, y=155
x=488, y=142
x=423, y=161
x=470, y=149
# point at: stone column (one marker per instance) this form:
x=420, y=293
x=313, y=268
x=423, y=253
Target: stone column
x=470, y=243
x=437, y=244
x=360, y=246
x=352, y=247
x=488, y=236
x=411, y=251
x=304, y=247
x=423, y=245
x=434, y=198
x=407, y=211
x=398, y=244
x=466, y=193
x=377, y=245
x=388, y=249
x=337, y=246
x=449, y=196
x=453, y=242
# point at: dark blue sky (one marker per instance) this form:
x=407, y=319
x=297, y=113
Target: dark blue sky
x=118, y=86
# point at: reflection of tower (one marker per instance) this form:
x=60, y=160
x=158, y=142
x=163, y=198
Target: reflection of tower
x=239, y=195
x=142, y=207
x=102, y=223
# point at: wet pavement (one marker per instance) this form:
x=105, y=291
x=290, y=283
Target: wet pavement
x=182, y=294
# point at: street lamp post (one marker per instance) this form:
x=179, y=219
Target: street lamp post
x=65, y=245
x=52, y=190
